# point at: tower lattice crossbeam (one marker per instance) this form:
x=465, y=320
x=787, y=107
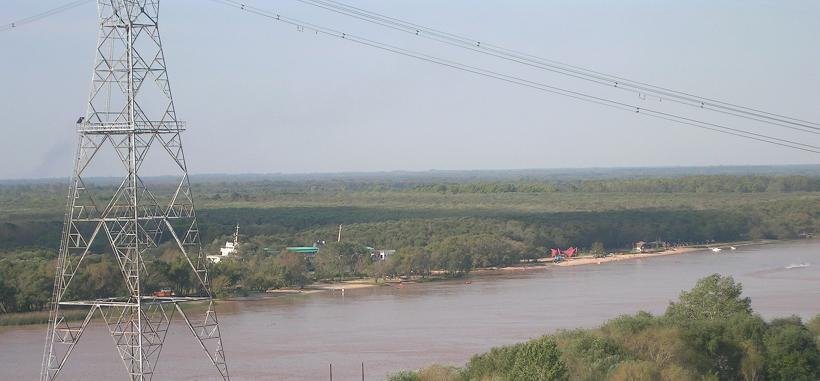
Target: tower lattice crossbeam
x=130, y=111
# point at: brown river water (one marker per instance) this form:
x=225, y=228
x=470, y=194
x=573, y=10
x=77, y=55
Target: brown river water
x=389, y=328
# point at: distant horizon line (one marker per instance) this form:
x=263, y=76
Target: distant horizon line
x=432, y=170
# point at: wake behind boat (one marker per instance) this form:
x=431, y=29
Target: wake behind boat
x=797, y=266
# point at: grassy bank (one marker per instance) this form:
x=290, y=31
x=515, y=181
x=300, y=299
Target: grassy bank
x=37, y=317
x=13, y=319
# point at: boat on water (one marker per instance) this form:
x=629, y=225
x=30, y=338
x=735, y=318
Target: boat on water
x=797, y=266
x=732, y=248
x=716, y=249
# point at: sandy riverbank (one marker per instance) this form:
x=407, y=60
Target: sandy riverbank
x=672, y=251
x=541, y=264
x=346, y=285
x=40, y=317
x=323, y=287
x=625, y=257
x=546, y=262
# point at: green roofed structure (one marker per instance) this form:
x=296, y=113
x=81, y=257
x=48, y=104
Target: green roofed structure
x=308, y=250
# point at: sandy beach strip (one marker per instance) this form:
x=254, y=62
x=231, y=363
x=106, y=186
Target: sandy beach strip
x=625, y=257
x=542, y=264
x=346, y=285
x=672, y=251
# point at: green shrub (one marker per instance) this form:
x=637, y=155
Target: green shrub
x=439, y=373
x=636, y=371
x=589, y=356
x=496, y=361
x=539, y=360
x=676, y=372
x=404, y=375
x=713, y=297
x=814, y=328
x=536, y=360
x=626, y=325
x=791, y=351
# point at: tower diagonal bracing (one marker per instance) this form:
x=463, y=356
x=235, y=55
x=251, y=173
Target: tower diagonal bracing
x=131, y=122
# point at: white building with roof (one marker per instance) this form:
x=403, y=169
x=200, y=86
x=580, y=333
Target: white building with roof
x=228, y=250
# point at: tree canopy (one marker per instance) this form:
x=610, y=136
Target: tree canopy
x=713, y=297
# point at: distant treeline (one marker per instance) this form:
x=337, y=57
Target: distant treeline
x=617, y=224
x=258, y=190
x=17, y=196
x=689, y=184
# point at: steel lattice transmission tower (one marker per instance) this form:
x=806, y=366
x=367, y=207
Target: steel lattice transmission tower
x=130, y=111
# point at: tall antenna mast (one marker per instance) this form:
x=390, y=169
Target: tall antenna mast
x=130, y=110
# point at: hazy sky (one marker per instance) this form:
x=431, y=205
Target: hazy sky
x=262, y=97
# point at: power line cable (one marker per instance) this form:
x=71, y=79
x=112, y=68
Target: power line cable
x=519, y=57
x=574, y=71
x=615, y=80
x=51, y=12
x=303, y=25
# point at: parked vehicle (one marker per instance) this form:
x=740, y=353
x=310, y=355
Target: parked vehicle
x=164, y=293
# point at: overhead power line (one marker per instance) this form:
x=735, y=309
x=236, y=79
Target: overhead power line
x=609, y=80
x=53, y=11
x=318, y=29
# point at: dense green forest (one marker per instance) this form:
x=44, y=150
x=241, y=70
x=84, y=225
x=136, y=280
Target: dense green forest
x=710, y=333
x=434, y=222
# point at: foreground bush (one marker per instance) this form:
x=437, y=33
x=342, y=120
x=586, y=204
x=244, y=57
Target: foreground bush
x=710, y=333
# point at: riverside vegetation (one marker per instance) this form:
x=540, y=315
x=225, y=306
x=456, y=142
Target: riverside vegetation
x=452, y=222
x=709, y=333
